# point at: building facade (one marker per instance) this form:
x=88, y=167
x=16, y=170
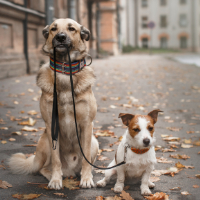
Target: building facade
x=176, y=24
x=22, y=22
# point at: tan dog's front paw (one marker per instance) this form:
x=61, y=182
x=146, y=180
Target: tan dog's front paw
x=118, y=188
x=55, y=184
x=86, y=181
x=151, y=185
x=145, y=191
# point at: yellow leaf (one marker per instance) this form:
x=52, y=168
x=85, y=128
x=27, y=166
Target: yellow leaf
x=3, y=142
x=71, y=184
x=179, y=165
x=4, y=184
x=126, y=195
x=12, y=139
x=158, y=196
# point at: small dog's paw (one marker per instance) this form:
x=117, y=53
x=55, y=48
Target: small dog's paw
x=101, y=183
x=118, y=188
x=86, y=182
x=151, y=185
x=55, y=184
x=145, y=191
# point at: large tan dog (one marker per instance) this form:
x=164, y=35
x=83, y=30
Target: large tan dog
x=67, y=159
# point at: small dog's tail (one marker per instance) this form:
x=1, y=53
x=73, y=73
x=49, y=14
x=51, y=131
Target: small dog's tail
x=19, y=164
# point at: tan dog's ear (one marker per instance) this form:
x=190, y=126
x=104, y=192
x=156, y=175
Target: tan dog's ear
x=45, y=32
x=85, y=33
x=154, y=115
x=126, y=118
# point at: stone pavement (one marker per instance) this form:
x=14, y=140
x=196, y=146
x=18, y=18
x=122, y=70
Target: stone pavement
x=127, y=83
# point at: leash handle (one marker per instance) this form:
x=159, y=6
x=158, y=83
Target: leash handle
x=74, y=108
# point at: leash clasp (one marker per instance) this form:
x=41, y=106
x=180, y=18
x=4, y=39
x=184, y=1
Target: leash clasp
x=126, y=146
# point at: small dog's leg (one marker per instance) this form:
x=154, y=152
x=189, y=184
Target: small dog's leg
x=145, y=182
x=86, y=172
x=119, y=185
x=150, y=184
x=108, y=175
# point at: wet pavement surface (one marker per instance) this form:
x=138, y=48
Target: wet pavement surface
x=134, y=84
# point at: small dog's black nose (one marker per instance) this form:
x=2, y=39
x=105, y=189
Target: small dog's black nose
x=60, y=37
x=146, y=141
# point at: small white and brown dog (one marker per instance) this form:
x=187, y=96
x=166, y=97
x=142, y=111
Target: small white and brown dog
x=137, y=150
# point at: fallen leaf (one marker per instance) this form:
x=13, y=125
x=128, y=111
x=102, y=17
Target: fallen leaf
x=195, y=186
x=32, y=112
x=126, y=187
x=179, y=165
x=30, y=145
x=16, y=133
x=30, y=129
x=159, y=172
x=171, y=139
x=178, y=156
x=157, y=196
x=168, y=150
x=31, y=90
x=26, y=196
x=71, y=184
x=16, y=102
x=186, y=146
x=101, y=157
x=189, y=167
x=107, y=150
x=113, y=198
x=115, y=98
x=103, y=110
x=173, y=129
x=197, y=143
x=126, y=195
x=112, y=106
x=3, y=128
x=176, y=188
x=30, y=122
x=60, y=194
x=12, y=139
x=127, y=106
x=188, y=132
x=164, y=160
x=99, y=198
x=185, y=193
x=3, y=142
x=4, y=184
x=104, y=133
x=154, y=179
x=187, y=141
x=198, y=176
x=111, y=127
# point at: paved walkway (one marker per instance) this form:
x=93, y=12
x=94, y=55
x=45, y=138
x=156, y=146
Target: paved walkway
x=128, y=83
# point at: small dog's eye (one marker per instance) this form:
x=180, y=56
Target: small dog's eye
x=53, y=29
x=150, y=128
x=71, y=29
x=136, y=129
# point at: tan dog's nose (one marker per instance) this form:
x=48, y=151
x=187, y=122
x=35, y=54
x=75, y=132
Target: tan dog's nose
x=61, y=37
x=146, y=141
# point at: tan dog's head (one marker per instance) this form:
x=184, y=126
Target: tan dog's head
x=64, y=32
x=141, y=127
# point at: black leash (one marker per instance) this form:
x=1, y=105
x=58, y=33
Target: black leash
x=55, y=125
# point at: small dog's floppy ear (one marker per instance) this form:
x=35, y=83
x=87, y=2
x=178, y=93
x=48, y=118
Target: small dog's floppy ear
x=85, y=33
x=154, y=115
x=45, y=32
x=126, y=118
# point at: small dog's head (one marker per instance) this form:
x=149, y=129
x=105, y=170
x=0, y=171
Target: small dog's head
x=141, y=127
x=64, y=32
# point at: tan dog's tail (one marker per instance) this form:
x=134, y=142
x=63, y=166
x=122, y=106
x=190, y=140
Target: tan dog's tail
x=19, y=164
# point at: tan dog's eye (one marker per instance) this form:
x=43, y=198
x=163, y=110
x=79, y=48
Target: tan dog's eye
x=71, y=29
x=150, y=128
x=53, y=29
x=136, y=129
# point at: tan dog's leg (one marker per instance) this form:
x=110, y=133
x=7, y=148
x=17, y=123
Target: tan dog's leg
x=86, y=174
x=56, y=178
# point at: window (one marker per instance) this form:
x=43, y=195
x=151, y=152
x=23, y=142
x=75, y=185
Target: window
x=145, y=43
x=163, y=2
x=163, y=42
x=163, y=21
x=183, y=1
x=183, y=20
x=183, y=42
x=144, y=22
x=144, y=3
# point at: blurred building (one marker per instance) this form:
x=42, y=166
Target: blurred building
x=177, y=24
x=22, y=22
